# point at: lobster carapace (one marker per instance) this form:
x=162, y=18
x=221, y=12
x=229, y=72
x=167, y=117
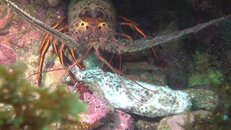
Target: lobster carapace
x=91, y=21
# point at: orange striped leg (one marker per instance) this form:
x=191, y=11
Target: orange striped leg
x=43, y=41
x=56, y=41
x=45, y=45
x=110, y=61
x=120, y=57
x=61, y=53
x=133, y=26
x=127, y=19
x=98, y=54
x=72, y=52
x=125, y=35
x=154, y=53
x=120, y=65
x=43, y=49
x=74, y=58
x=54, y=46
x=55, y=26
x=85, y=54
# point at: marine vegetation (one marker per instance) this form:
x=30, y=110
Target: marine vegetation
x=25, y=106
x=220, y=118
x=204, y=74
x=208, y=72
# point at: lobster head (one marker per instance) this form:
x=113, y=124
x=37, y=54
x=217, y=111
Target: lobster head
x=91, y=21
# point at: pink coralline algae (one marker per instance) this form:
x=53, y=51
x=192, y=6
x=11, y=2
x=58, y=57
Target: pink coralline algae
x=120, y=121
x=7, y=55
x=5, y=20
x=26, y=39
x=123, y=121
x=20, y=34
x=98, y=109
x=100, y=113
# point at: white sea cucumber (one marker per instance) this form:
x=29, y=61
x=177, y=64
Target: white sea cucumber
x=131, y=97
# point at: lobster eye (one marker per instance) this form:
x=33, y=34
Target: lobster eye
x=83, y=24
x=103, y=24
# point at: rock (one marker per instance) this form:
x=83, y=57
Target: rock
x=142, y=124
x=185, y=121
x=120, y=121
x=98, y=110
x=133, y=96
x=53, y=78
x=5, y=20
x=25, y=38
x=153, y=74
x=28, y=39
x=228, y=55
x=203, y=99
x=101, y=115
x=53, y=3
x=7, y=55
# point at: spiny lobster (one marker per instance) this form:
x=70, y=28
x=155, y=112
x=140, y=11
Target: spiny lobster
x=91, y=25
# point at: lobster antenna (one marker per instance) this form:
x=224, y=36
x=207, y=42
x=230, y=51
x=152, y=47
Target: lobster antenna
x=69, y=41
x=141, y=44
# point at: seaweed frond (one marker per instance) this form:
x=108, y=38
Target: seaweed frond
x=25, y=106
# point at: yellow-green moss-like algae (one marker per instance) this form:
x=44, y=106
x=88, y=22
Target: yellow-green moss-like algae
x=24, y=105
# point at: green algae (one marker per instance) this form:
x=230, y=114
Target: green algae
x=209, y=72
x=24, y=105
x=204, y=73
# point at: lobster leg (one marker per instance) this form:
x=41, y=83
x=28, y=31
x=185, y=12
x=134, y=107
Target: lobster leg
x=61, y=54
x=54, y=45
x=72, y=52
x=131, y=24
x=55, y=26
x=97, y=53
x=45, y=45
x=120, y=65
x=125, y=35
x=135, y=28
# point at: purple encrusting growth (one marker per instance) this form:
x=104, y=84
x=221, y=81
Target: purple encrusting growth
x=98, y=109
x=130, y=96
x=7, y=54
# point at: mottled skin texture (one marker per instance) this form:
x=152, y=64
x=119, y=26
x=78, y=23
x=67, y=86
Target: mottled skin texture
x=130, y=96
x=91, y=22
